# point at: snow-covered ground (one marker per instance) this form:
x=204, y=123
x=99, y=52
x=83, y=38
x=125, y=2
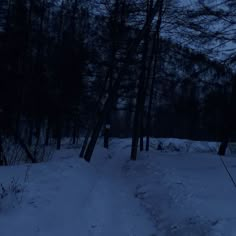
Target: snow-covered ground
x=176, y=191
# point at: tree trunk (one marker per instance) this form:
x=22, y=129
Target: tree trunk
x=141, y=142
x=107, y=105
x=137, y=120
x=140, y=97
x=17, y=126
x=106, y=135
x=31, y=127
x=95, y=134
x=223, y=147
x=74, y=131
x=98, y=107
x=148, y=124
x=3, y=160
x=229, y=125
x=58, y=134
x=85, y=143
x=149, y=117
x=156, y=51
x=47, y=133
x=107, y=127
x=38, y=132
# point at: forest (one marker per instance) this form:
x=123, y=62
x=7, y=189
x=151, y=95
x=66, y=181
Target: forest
x=82, y=70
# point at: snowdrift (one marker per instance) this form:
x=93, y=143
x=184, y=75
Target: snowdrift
x=184, y=145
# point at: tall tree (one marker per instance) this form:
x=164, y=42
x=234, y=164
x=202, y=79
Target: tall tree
x=140, y=99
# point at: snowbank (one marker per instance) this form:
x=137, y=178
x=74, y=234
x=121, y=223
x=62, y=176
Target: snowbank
x=184, y=145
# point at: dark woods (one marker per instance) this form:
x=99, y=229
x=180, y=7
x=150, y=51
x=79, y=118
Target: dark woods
x=80, y=69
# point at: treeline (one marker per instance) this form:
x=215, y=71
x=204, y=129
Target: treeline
x=190, y=100
x=69, y=68
x=44, y=63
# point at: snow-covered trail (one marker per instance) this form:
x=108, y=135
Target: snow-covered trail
x=71, y=197
x=113, y=198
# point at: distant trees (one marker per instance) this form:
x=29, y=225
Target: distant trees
x=132, y=50
x=214, y=23
x=44, y=58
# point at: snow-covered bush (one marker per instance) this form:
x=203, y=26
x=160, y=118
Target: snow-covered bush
x=10, y=195
x=16, y=155
x=42, y=153
x=184, y=145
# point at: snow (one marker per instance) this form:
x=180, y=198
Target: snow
x=185, y=145
x=68, y=196
x=185, y=191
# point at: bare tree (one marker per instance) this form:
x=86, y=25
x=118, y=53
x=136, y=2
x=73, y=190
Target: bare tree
x=140, y=99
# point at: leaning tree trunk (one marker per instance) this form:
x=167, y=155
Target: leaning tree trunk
x=98, y=111
x=85, y=143
x=107, y=105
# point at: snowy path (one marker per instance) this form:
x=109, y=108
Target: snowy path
x=119, y=212
x=71, y=197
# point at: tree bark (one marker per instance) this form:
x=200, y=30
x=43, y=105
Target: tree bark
x=156, y=51
x=107, y=105
x=85, y=143
x=141, y=141
x=229, y=125
x=140, y=98
x=223, y=147
x=58, y=134
x=75, y=131
x=30, y=137
x=47, y=133
x=106, y=135
x=3, y=160
x=153, y=77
